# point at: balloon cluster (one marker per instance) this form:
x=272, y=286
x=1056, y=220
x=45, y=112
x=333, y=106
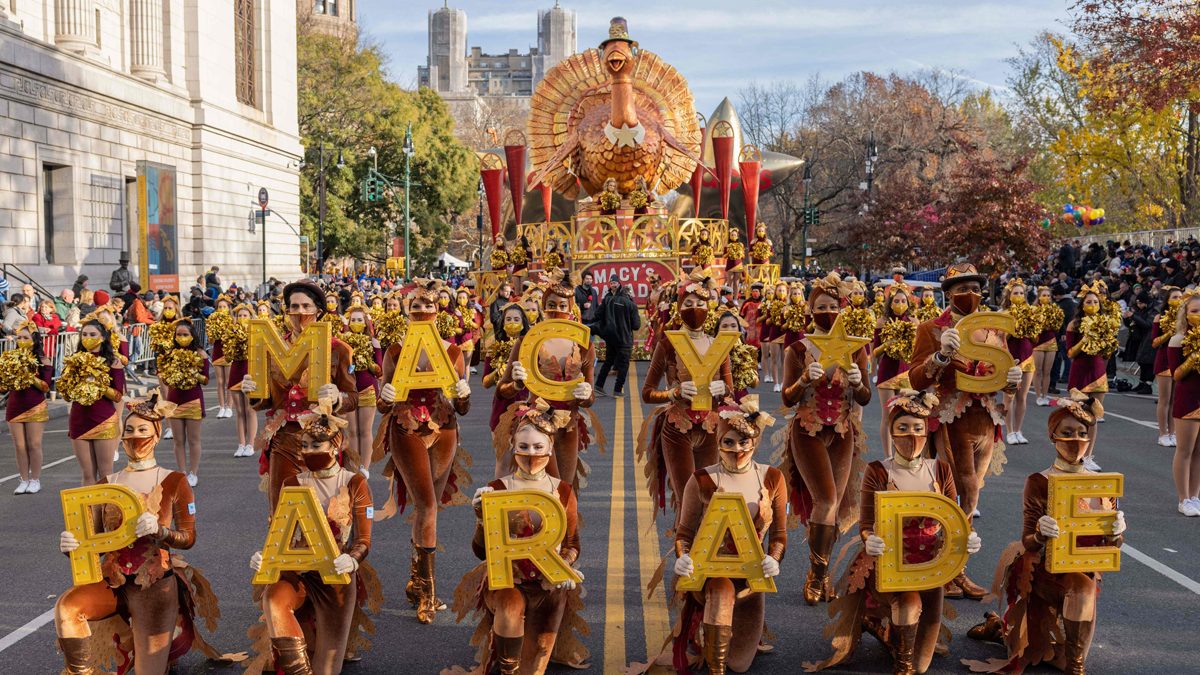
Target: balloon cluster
x=1082, y=215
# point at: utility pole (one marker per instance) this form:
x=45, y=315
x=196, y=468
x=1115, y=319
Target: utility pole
x=408, y=153
x=479, y=223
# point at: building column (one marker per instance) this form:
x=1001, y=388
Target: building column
x=146, y=32
x=75, y=25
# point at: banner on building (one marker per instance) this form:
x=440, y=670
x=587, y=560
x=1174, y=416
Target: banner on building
x=158, y=224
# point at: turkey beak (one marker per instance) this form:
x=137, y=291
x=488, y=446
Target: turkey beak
x=616, y=61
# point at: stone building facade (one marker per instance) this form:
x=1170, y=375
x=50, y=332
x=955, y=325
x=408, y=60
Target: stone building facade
x=88, y=88
x=336, y=17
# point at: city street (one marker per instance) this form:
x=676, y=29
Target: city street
x=1146, y=611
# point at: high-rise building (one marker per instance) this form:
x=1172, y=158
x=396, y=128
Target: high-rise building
x=556, y=39
x=148, y=127
x=446, y=67
x=336, y=17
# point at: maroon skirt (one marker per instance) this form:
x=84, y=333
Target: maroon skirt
x=1187, y=391
x=1089, y=374
x=237, y=372
x=189, y=402
x=26, y=405
x=888, y=369
x=100, y=420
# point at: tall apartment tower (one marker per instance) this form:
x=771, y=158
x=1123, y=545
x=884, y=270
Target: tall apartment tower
x=447, y=66
x=556, y=39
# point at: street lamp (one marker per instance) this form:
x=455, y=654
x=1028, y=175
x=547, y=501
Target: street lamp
x=479, y=222
x=807, y=220
x=408, y=153
x=321, y=189
x=872, y=159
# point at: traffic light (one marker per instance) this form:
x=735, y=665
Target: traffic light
x=370, y=190
x=812, y=216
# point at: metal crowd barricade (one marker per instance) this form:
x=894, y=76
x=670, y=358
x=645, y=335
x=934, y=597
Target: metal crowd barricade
x=138, y=335
x=201, y=331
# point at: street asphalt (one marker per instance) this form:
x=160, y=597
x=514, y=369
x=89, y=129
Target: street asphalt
x=1147, y=611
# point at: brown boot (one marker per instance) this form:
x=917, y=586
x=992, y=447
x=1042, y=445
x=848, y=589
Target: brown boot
x=77, y=655
x=1076, y=645
x=970, y=589
x=817, y=586
x=292, y=655
x=424, y=586
x=906, y=639
x=716, y=647
x=991, y=630
x=508, y=653
x=410, y=589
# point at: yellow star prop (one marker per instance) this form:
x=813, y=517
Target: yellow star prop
x=838, y=348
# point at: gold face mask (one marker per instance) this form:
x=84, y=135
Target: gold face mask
x=1090, y=310
x=513, y=328
x=531, y=315
x=25, y=344
x=91, y=343
x=183, y=340
x=168, y=313
x=1193, y=319
x=357, y=327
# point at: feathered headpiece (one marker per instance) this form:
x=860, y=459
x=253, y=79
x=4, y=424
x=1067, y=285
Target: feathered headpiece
x=912, y=402
x=539, y=415
x=426, y=290
x=1079, y=405
x=320, y=424
x=743, y=417
x=698, y=283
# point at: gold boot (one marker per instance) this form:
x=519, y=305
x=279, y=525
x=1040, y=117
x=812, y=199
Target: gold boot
x=508, y=654
x=906, y=639
x=817, y=586
x=991, y=630
x=970, y=589
x=292, y=655
x=424, y=586
x=1076, y=645
x=77, y=655
x=410, y=589
x=716, y=647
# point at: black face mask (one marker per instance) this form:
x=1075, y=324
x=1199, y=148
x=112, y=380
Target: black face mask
x=318, y=461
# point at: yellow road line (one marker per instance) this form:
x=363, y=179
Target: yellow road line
x=655, y=620
x=614, y=585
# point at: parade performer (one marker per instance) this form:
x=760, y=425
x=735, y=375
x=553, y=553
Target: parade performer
x=857, y=316
x=368, y=365
x=823, y=436
x=551, y=258
x=675, y=439
x=141, y=616
x=279, y=440
x=743, y=358
x=499, y=257
x=26, y=380
x=1049, y=618
x=1050, y=319
x=236, y=352
x=514, y=325
x=184, y=371
x=469, y=322
x=795, y=316
x=771, y=316
x=703, y=253
x=750, y=312
x=420, y=437
x=217, y=327
x=391, y=324
x=735, y=259
x=560, y=360
x=1091, y=342
x=893, y=349
x=1183, y=358
x=1164, y=382
x=728, y=603
x=519, y=256
x=967, y=425
x=908, y=623
x=93, y=381
x=311, y=624
x=523, y=628
x=1020, y=346
x=928, y=308
x=162, y=332
x=761, y=249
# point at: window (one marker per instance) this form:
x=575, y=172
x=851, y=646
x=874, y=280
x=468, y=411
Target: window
x=245, y=32
x=325, y=7
x=48, y=210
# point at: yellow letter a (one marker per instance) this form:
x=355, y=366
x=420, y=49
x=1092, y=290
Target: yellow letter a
x=299, y=513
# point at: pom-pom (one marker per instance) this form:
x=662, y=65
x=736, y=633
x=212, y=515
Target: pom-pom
x=218, y=325
x=447, y=325
x=18, y=369
x=235, y=342
x=928, y=312
x=85, y=378
x=744, y=364
x=180, y=369
x=897, y=338
x=1191, y=342
x=1050, y=317
x=499, y=259
x=162, y=336
x=517, y=256
x=859, y=321
x=761, y=250
x=390, y=328
x=1099, y=331
x=735, y=251
x=1028, y=321
x=498, y=354
x=609, y=201
x=703, y=255
x=364, y=351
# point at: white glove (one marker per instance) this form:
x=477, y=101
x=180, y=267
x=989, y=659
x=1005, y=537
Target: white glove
x=328, y=392
x=256, y=561
x=147, y=525
x=1014, y=375
x=67, y=542
x=716, y=388
x=345, y=564
x=519, y=374
x=479, y=493
x=684, y=567
x=770, y=567
x=249, y=386
x=687, y=390
x=854, y=376
x=462, y=389
x=874, y=545
x=582, y=391
x=974, y=543
x=570, y=584
x=815, y=371
x=1119, y=524
x=1047, y=527
x=950, y=342
x=388, y=393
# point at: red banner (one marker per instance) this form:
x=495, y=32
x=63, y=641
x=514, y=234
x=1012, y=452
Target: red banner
x=515, y=156
x=723, y=156
x=750, y=171
x=493, y=186
x=632, y=273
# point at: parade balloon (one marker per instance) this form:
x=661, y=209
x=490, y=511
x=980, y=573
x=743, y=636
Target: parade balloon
x=1067, y=208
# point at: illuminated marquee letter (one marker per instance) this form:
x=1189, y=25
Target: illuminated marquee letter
x=727, y=515
x=311, y=354
x=703, y=368
x=422, y=339
x=997, y=356
x=892, y=574
x=531, y=344
x=299, y=513
x=1066, y=503
x=541, y=548
x=77, y=510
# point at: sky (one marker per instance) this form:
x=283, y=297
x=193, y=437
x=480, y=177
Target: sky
x=721, y=46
